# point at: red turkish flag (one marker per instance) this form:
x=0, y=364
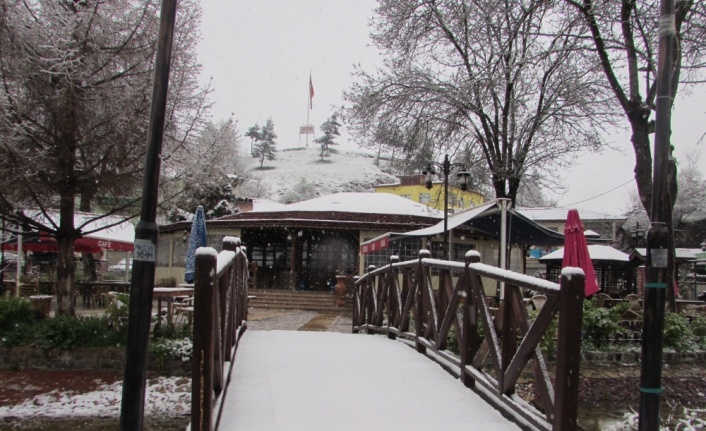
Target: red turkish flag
x=311, y=93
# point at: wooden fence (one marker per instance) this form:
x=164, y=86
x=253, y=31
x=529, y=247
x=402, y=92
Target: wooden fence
x=220, y=314
x=399, y=300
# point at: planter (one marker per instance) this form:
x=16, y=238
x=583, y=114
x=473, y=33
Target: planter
x=340, y=290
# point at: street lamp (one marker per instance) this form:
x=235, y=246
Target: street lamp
x=637, y=234
x=446, y=168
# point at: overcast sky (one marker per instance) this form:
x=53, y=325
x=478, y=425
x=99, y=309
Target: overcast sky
x=259, y=55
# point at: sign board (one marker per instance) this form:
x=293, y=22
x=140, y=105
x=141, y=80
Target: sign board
x=374, y=245
x=306, y=130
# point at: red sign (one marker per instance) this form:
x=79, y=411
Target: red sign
x=378, y=244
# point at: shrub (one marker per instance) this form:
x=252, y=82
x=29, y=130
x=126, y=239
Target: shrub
x=164, y=349
x=15, y=311
x=599, y=324
x=66, y=332
x=548, y=344
x=677, y=333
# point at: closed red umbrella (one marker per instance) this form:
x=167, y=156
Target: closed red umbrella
x=576, y=251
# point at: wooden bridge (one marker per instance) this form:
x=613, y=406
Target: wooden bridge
x=302, y=381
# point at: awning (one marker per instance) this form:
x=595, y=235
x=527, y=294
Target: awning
x=111, y=233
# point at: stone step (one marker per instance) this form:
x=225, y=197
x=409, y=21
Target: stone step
x=283, y=299
x=304, y=307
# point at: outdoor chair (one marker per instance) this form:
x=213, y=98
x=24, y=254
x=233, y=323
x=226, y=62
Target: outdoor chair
x=98, y=296
x=184, y=311
x=635, y=310
x=28, y=286
x=538, y=301
x=603, y=300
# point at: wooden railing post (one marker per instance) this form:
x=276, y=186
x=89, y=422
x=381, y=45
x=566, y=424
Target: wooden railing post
x=469, y=338
x=203, y=348
x=230, y=299
x=368, y=300
x=568, y=349
x=392, y=297
x=419, y=314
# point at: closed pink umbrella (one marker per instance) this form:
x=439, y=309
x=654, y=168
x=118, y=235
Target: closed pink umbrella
x=576, y=251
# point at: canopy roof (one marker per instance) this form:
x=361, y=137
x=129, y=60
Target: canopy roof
x=483, y=220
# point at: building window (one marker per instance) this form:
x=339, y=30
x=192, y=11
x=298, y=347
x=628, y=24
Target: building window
x=424, y=198
x=407, y=196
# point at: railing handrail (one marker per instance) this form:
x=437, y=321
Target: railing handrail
x=402, y=291
x=220, y=318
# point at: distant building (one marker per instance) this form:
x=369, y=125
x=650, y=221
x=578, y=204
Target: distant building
x=605, y=225
x=412, y=187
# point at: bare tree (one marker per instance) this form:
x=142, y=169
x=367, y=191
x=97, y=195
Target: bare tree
x=501, y=77
x=74, y=108
x=623, y=38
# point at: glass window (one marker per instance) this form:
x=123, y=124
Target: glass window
x=424, y=198
x=407, y=196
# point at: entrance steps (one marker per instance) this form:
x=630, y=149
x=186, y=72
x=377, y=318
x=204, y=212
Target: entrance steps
x=322, y=302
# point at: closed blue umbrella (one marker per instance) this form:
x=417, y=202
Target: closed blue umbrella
x=196, y=240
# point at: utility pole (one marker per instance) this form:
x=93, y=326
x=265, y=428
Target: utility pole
x=144, y=256
x=658, y=277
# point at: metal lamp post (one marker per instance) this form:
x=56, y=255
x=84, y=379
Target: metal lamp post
x=446, y=166
x=637, y=234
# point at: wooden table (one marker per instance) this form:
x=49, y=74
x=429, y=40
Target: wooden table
x=169, y=294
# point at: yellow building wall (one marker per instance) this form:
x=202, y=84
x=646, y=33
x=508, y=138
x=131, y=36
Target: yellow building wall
x=434, y=198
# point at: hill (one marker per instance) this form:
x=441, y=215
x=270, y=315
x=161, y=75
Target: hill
x=297, y=168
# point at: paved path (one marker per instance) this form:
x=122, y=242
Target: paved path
x=298, y=320
x=309, y=381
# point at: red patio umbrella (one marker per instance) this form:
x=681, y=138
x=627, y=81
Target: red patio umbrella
x=576, y=251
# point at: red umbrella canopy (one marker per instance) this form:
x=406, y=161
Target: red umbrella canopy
x=576, y=251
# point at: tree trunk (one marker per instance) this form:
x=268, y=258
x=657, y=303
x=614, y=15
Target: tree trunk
x=643, y=159
x=66, y=266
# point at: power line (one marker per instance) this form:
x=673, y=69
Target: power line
x=604, y=193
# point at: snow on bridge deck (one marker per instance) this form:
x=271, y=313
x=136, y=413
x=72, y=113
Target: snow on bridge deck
x=308, y=381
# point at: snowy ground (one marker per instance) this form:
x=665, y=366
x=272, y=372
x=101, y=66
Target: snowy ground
x=342, y=171
x=166, y=396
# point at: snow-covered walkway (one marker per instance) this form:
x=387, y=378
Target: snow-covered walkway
x=308, y=381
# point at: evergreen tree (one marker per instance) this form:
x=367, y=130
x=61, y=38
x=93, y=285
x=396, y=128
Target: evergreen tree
x=330, y=129
x=264, y=141
x=254, y=133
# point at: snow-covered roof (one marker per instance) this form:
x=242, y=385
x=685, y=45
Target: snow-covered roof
x=597, y=252
x=454, y=221
x=591, y=234
x=559, y=214
x=679, y=253
x=266, y=205
x=365, y=203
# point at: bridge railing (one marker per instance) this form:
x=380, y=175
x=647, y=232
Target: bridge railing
x=399, y=300
x=220, y=314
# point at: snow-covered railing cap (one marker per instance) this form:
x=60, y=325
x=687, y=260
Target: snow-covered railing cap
x=473, y=253
x=424, y=253
x=571, y=270
x=231, y=239
x=206, y=251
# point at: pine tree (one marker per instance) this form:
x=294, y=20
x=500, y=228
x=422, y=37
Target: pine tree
x=264, y=146
x=330, y=129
